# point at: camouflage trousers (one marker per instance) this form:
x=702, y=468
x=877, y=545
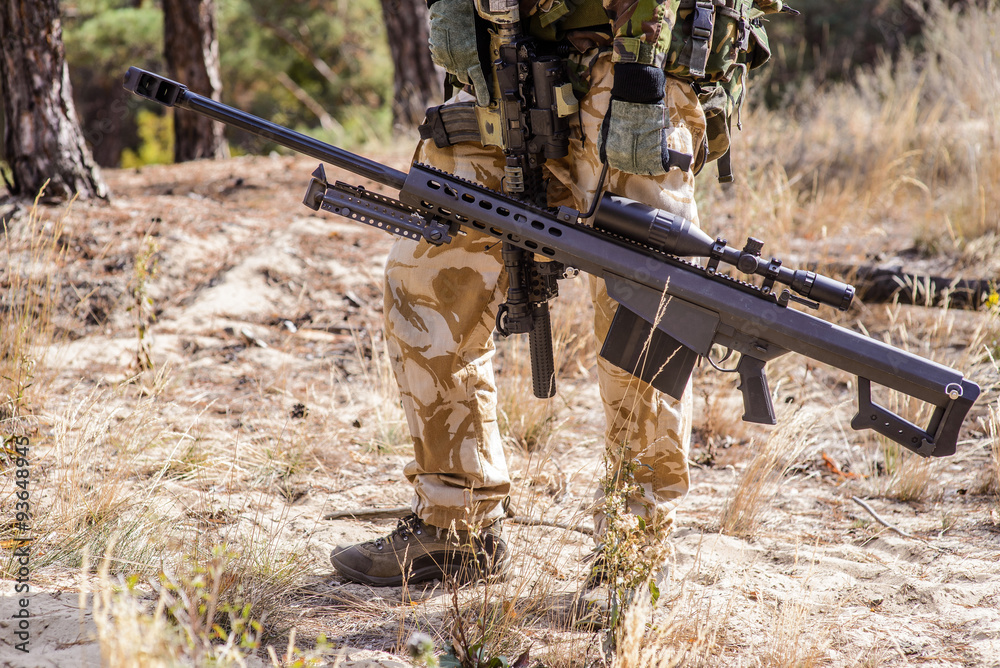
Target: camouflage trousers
x=440, y=310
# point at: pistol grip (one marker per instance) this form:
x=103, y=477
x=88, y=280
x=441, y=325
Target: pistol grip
x=757, y=406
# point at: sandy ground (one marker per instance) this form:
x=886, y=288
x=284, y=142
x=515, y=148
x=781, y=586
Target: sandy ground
x=267, y=333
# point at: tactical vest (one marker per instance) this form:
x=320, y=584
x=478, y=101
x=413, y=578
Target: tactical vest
x=713, y=45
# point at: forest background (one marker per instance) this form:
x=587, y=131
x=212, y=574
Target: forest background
x=336, y=56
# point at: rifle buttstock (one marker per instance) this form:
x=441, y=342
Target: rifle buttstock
x=940, y=439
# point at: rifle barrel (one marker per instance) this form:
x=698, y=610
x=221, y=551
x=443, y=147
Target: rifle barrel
x=170, y=93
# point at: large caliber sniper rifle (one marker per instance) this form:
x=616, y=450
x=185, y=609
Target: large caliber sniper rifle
x=672, y=311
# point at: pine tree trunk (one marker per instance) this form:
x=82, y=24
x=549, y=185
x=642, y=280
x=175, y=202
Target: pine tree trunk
x=42, y=137
x=192, y=54
x=416, y=84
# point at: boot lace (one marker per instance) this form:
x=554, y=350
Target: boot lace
x=405, y=527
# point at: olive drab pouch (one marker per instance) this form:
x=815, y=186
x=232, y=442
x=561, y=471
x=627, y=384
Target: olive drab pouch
x=714, y=43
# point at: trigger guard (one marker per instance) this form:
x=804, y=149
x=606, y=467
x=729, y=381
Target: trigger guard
x=716, y=365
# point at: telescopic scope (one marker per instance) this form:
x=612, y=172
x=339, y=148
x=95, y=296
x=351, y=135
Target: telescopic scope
x=679, y=236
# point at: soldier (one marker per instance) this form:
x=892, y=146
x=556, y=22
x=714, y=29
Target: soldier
x=441, y=301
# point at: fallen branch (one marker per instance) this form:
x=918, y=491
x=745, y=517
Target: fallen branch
x=369, y=513
x=531, y=521
x=400, y=511
x=884, y=285
x=881, y=521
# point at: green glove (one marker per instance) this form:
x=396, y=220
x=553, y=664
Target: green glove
x=634, y=131
x=454, y=47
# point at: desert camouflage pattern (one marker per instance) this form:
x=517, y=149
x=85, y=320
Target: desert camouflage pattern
x=440, y=309
x=719, y=104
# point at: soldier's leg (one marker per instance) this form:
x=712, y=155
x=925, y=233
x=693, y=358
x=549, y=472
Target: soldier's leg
x=653, y=427
x=440, y=310
x=440, y=307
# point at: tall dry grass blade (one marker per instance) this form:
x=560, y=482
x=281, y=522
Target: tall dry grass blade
x=32, y=255
x=907, y=476
x=215, y=608
x=749, y=501
x=98, y=447
x=795, y=641
x=382, y=411
x=690, y=634
x=527, y=423
x=992, y=483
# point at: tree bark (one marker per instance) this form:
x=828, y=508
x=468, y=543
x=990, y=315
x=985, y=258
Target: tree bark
x=42, y=137
x=416, y=83
x=191, y=49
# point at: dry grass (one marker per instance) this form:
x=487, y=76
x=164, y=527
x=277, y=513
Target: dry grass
x=700, y=629
x=889, y=470
x=746, y=508
x=635, y=647
x=905, y=476
x=528, y=423
x=96, y=451
x=914, y=142
x=995, y=445
x=107, y=493
x=989, y=481
x=382, y=416
x=794, y=640
x=31, y=257
x=197, y=616
x=142, y=306
x=718, y=414
x=101, y=469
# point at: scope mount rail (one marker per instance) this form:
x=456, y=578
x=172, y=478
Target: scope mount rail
x=685, y=307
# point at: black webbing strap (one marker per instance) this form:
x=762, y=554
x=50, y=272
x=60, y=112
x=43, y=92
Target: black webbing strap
x=721, y=7
x=725, y=166
x=702, y=27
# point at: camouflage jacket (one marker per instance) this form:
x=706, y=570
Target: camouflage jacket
x=639, y=30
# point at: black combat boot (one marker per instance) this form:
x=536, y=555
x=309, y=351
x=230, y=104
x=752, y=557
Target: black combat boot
x=415, y=552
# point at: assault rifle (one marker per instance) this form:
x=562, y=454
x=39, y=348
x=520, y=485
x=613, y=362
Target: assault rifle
x=528, y=119
x=672, y=310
